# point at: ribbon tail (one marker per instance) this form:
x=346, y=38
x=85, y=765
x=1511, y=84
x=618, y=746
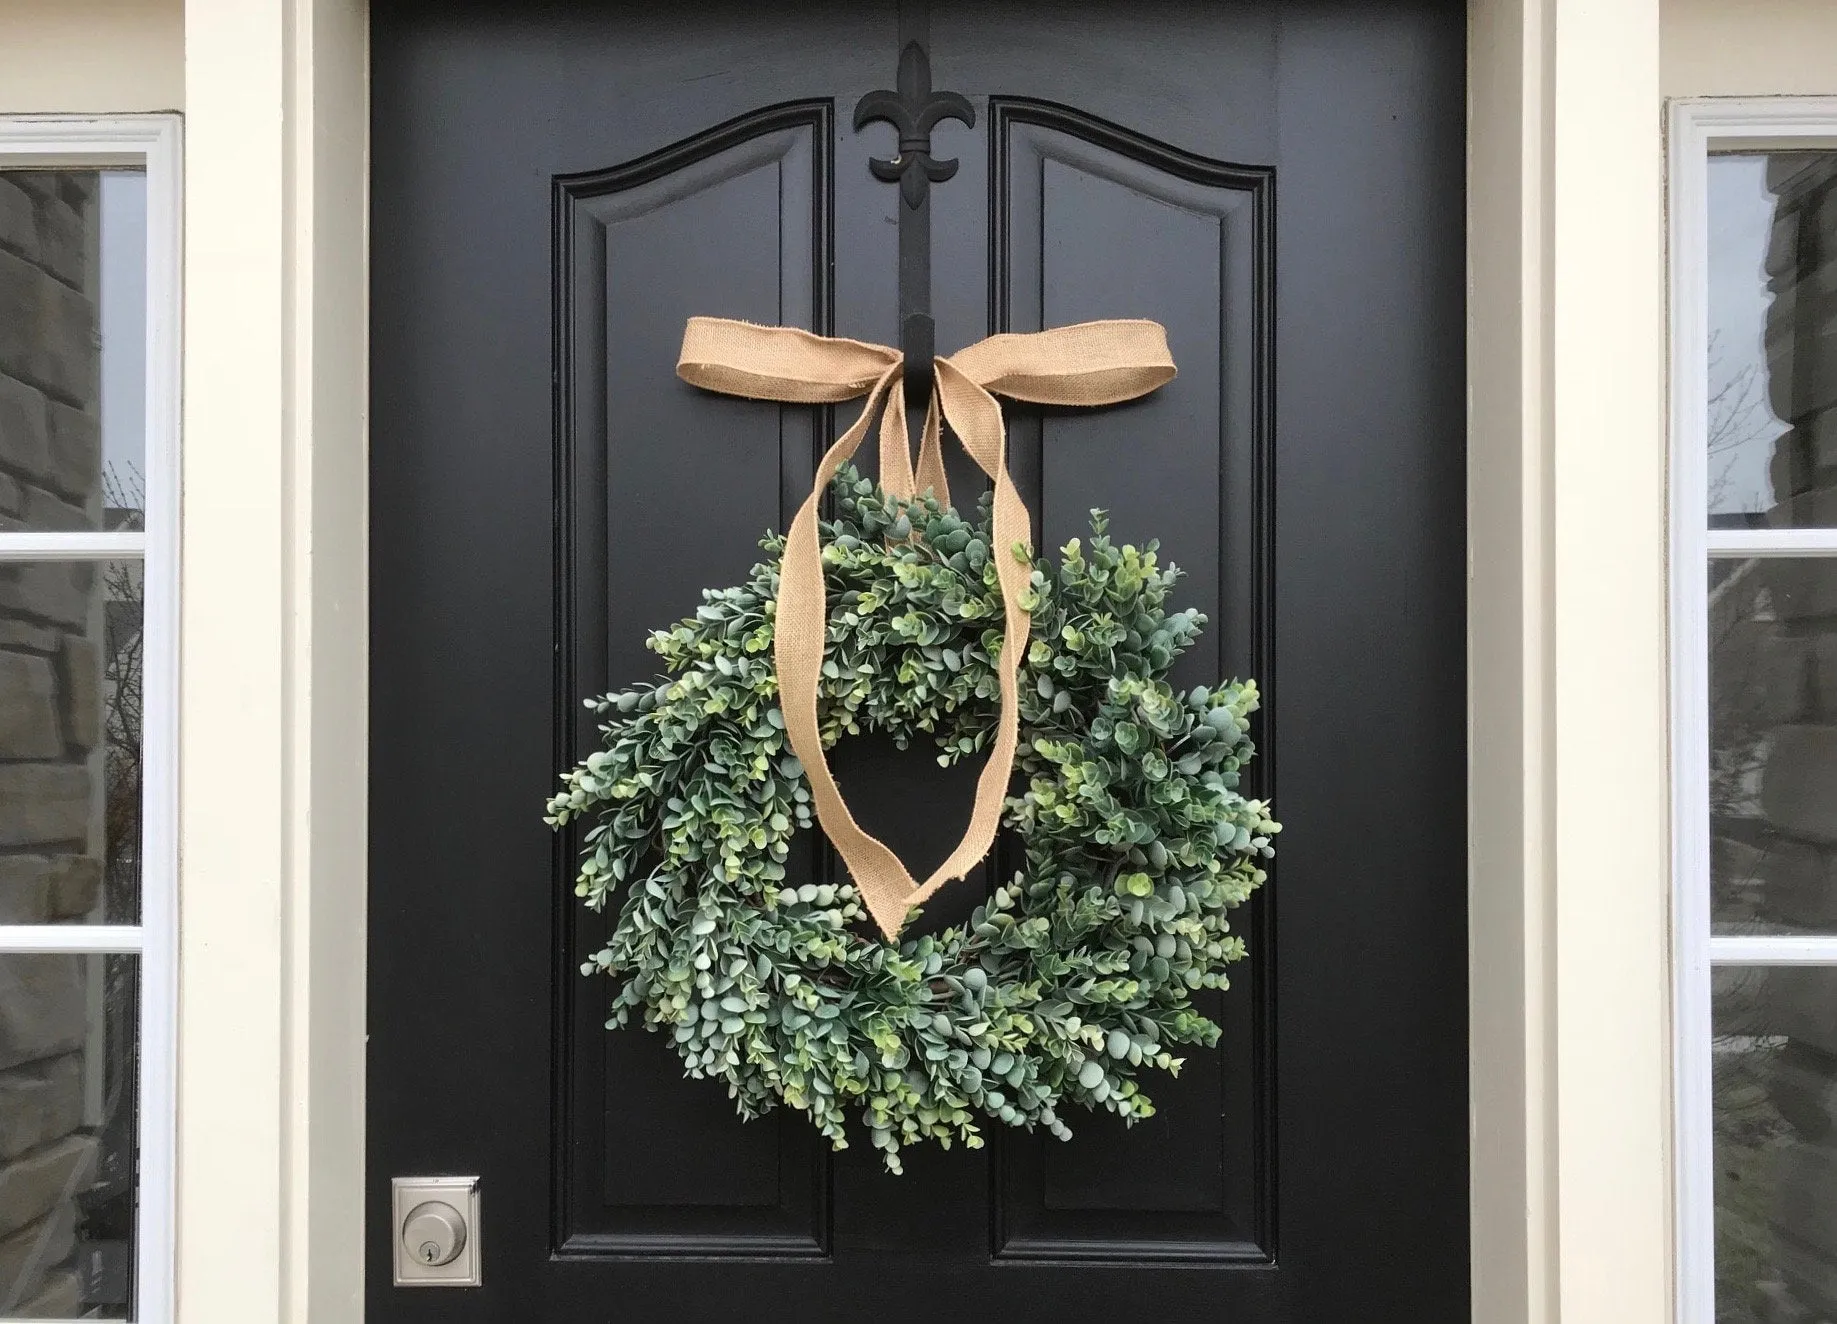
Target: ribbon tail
x=800, y=630
x=895, y=449
x=930, y=476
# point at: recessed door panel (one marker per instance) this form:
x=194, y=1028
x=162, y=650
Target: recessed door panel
x=668, y=490
x=1096, y=221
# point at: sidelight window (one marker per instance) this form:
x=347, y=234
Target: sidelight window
x=88, y=577
x=1754, y=284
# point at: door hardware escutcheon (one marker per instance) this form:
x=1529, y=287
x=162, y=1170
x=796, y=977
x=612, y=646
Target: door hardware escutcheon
x=435, y=1228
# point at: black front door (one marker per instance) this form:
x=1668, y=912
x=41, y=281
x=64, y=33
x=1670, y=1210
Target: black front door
x=557, y=187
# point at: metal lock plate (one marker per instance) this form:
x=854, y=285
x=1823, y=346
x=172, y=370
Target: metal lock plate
x=434, y=1229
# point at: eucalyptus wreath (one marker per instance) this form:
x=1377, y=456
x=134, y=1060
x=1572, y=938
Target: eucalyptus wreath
x=1071, y=979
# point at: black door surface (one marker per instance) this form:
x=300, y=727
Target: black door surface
x=556, y=189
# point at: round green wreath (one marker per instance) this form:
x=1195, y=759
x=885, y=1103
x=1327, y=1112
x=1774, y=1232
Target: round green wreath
x=1068, y=980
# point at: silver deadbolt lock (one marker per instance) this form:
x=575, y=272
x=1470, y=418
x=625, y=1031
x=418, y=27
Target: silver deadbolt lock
x=435, y=1222
x=434, y=1233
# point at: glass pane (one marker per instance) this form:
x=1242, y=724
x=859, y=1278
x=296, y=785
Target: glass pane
x=73, y=368
x=1775, y=1091
x=70, y=741
x=68, y=1086
x=1773, y=745
x=1772, y=362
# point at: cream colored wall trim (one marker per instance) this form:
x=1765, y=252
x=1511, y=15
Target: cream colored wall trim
x=91, y=56
x=1608, y=720
x=1569, y=1016
x=273, y=725
x=329, y=484
x=331, y=583
x=234, y=738
x=1510, y=1020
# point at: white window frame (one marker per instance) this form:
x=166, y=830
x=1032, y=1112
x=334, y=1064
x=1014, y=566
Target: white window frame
x=1699, y=128
x=151, y=143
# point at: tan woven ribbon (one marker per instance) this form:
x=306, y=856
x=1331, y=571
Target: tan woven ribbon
x=1092, y=363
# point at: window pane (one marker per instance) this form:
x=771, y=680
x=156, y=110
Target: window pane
x=73, y=312
x=1773, y=745
x=1775, y=1090
x=1772, y=360
x=68, y=1086
x=70, y=741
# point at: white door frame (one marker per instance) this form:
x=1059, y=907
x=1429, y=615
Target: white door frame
x=1569, y=1011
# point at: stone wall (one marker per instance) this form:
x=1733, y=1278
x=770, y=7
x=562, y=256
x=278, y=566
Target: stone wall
x=51, y=761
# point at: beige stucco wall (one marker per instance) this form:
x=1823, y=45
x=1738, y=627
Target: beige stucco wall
x=1712, y=48
x=91, y=55
x=118, y=55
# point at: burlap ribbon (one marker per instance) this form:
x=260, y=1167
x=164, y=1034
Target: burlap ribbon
x=1092, y=363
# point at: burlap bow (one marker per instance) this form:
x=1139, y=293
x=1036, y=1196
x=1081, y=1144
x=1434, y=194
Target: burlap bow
x=1092, y=363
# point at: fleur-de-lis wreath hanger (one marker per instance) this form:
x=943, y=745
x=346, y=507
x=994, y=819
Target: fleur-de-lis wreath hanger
x=914, y=110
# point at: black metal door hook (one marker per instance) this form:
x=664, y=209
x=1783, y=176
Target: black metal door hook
x=918, y=337
x=914, y=110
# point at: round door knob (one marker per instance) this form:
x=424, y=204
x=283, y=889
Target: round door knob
x=434, y=1233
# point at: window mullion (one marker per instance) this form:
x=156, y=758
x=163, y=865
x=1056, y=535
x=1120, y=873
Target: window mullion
x=1773, y=949
x=1757, y=543
x=91, y=546
x=80, y=939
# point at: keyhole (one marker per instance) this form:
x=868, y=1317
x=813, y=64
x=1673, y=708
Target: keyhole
x=429, y=1251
